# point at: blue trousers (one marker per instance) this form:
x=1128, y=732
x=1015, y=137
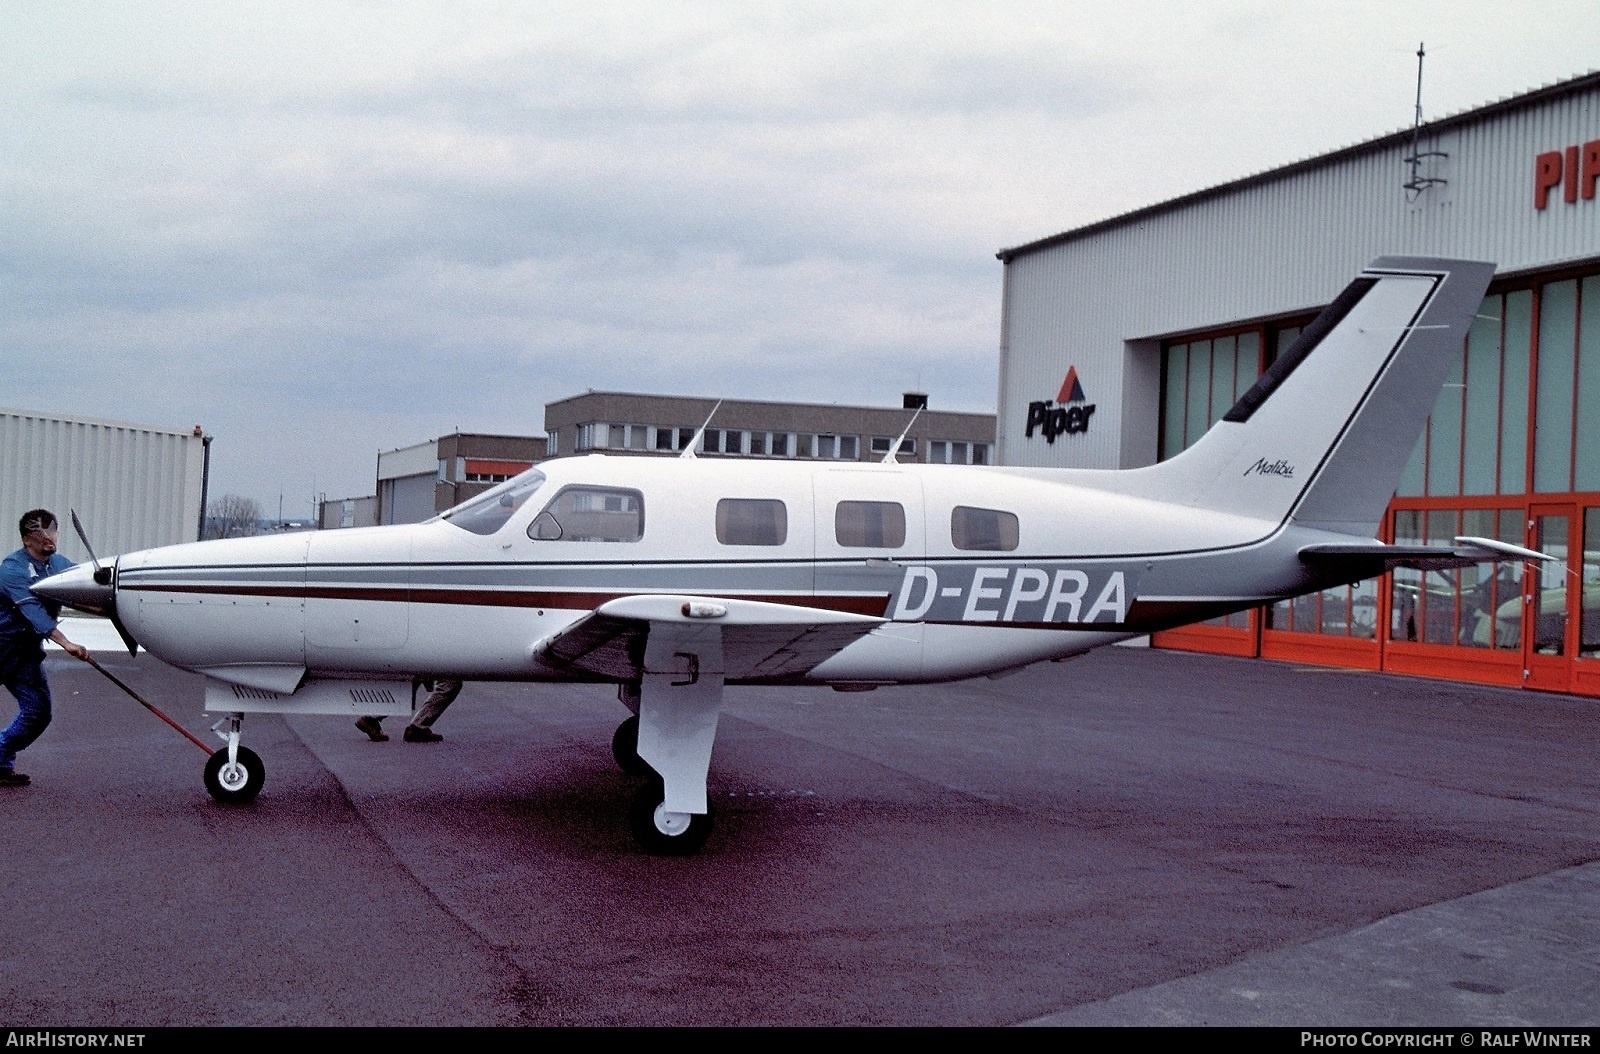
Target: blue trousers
x=22, y=672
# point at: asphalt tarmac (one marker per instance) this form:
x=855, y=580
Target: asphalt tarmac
x=1135, y=837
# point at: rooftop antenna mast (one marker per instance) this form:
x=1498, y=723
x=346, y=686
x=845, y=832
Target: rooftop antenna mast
x=1419, y=182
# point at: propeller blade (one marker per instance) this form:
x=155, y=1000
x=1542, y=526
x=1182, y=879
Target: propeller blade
x=105, y=576
x=83, y=536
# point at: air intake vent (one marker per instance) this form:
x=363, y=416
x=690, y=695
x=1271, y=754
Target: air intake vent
x=242, y=692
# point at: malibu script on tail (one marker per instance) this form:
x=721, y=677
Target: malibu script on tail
x=1263, y=467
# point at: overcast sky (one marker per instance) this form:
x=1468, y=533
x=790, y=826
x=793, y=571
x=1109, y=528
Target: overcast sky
x=322, y=230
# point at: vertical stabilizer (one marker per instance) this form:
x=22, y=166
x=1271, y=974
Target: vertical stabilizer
x=1322, y=437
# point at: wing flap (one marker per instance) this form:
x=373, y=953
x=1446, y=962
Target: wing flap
x=760, y=640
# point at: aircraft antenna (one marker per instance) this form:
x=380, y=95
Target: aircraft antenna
x=888, y=459
x=1418, y=182
x=688, y=451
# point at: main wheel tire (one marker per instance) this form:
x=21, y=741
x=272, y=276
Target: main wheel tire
x=625, y=748
x=237, y=783
x=663, y=833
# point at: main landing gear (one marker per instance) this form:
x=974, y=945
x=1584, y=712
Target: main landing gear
x=234, y=774
x=657, y=829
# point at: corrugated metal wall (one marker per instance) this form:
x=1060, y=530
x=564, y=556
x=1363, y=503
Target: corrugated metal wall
x=133, y=487
x=1101, y=300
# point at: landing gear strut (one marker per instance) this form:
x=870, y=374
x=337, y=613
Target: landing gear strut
x=234, y=774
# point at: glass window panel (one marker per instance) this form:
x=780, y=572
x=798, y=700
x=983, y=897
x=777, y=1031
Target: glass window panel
x=1481, y=427
x=1307, y=616
x=1518, y=329
x=825, y=446
x=1364, y=609
x=802, y=445
x=1196, y=415
x=870, y=524
x=1550, y=579
x=1552, y=429
x=1586, y=469
x=980, y=453
x=489, y=511
x=1279, y=615
x=591, y=514
x=752, y=521
x=847, y=447
x=1406, y=584
x=1439, y=588
x=958, y=453
x=1484, y=587
x=1224, y=364
x=1335, y=611
x=1249, y=366
x=1589, y=634
x=1176, y=398
x=983, y=529
x=1444, y=437
x=1285, y=337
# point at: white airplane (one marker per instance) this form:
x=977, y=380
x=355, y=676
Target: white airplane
x=675, y=577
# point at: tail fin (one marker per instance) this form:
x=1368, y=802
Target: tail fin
x=1323, y=436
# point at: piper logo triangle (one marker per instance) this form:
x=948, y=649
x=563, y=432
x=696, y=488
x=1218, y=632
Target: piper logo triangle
x=1067, y=414
x=1071, y=390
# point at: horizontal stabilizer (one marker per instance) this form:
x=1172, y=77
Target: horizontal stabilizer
x=1362, y=557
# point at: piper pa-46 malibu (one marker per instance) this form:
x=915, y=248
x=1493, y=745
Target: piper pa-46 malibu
x=675, y=577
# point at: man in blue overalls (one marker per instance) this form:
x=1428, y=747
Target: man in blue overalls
x=26, y=622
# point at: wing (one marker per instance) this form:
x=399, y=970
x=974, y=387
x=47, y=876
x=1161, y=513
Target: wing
x=759, y=641
x=1368, y=559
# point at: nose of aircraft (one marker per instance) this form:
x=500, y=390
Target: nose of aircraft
x=83, y=587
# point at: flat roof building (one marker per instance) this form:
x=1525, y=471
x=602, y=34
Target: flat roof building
x=631, y=423
x=417, y=482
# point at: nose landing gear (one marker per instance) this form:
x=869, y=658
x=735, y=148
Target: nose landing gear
x=234, y=774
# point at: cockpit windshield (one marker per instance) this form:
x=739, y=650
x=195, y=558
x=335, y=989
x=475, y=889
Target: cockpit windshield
x=489, y=511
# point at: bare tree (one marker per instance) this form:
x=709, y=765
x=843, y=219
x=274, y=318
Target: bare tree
x=231, y=516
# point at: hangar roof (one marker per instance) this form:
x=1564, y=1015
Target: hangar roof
x=1538, y=96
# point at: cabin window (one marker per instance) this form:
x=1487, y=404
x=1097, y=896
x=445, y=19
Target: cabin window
x=988, y=530
x=870, y=524
x=590, y=514
x=752, y=521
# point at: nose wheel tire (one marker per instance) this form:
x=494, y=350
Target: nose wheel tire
x=625, y=748
x=664, y=833
x=236, y=783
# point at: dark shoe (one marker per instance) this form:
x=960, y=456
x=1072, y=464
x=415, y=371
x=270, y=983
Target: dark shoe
x=374, y=731
x=421, y=735
x=13, y=779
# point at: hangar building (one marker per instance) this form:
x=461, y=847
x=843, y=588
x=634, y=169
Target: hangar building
x=1123, y=341
x=133, y=486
